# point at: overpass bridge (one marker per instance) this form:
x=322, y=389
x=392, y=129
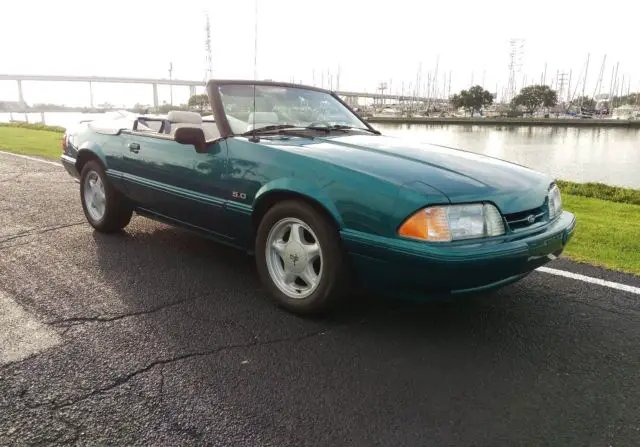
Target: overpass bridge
x=350, y=97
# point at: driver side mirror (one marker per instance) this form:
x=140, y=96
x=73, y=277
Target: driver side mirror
x=193, y=136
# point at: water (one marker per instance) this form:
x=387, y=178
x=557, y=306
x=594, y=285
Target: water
x=581, y=154
x=64, y=119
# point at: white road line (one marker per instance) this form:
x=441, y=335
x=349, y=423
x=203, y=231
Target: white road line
x=589, y=279
x=32, y=158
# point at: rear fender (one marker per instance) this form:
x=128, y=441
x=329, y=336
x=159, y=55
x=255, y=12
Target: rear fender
x=87, y=151
x=91, y=151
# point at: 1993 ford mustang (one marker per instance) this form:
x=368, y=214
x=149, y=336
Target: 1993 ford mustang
x=295, y=176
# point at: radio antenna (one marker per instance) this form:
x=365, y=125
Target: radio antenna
x=255, y=69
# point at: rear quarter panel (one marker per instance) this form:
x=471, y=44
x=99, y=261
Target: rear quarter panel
x=82, y=141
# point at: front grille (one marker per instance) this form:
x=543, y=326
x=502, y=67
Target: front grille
x=523, y=219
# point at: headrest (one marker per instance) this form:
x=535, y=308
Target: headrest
x=181, y=116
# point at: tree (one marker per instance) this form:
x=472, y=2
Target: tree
x=199, y=101
x=535, y=96
x=472, y=100
x=630, y=99
x=587, y=103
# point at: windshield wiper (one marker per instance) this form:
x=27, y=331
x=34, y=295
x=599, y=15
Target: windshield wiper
x=342, y=127
x=345, y=127
x=269, y=129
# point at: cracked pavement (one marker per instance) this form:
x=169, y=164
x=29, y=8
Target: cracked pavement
x=167, y=339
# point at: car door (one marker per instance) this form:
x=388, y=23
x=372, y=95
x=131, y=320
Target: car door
x=134, y=172
x=175, y=181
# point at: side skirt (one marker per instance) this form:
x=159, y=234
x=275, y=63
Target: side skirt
x=191, y=228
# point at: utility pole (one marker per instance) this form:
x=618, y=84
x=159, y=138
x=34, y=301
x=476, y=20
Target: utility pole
x=170, y=85
x=560, y=84
x=515, y=64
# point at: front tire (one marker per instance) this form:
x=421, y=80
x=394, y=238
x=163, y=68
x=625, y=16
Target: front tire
x=300, y=259
x=106, y=209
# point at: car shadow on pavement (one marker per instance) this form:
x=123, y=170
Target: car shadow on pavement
x=167, y=265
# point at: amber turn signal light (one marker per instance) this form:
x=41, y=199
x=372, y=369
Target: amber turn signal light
x=429, y=224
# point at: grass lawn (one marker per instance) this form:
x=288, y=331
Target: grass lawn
x=600, y=191
x=607, y=234
x=608, y=231
x=41, y=143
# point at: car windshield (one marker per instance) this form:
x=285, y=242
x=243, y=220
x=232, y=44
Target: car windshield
x=276, y=105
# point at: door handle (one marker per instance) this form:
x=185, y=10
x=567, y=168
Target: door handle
x=134, y=147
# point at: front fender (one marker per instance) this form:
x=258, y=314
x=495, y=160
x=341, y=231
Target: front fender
x=300, y=187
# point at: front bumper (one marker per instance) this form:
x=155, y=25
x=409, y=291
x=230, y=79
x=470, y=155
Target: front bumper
x=455, y=267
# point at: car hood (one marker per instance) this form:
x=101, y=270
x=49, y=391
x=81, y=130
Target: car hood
x=460, y=175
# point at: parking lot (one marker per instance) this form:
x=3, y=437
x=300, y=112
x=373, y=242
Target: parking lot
x=157, y=336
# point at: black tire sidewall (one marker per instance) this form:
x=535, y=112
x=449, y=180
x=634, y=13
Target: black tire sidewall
x=117, y=213
x=332, y=282
x=86, y=169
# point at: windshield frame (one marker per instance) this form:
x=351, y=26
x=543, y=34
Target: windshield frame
x=221, y=116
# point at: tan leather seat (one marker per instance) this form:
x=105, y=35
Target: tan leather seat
x=182, y=118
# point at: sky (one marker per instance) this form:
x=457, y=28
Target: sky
x=366, y=41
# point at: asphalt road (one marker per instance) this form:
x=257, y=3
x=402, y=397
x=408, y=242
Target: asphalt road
x=158, y=337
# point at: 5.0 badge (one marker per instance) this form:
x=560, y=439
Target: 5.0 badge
x=238, y=195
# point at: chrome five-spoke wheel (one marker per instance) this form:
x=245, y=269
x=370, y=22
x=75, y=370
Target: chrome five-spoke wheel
x=300, y=258
x=94, y=196
x=294, y=258
x=105, y=208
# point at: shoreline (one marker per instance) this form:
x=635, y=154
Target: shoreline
x=564, y=122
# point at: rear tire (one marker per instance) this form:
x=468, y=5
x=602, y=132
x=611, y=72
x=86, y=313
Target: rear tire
x=300, y=259
x=105, y=208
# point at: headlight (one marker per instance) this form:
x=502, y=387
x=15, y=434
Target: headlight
x=555, y=202
x=453, y=222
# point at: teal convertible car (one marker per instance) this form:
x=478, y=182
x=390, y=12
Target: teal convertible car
x=324, y=201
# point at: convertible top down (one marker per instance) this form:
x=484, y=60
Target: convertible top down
x=325, y=202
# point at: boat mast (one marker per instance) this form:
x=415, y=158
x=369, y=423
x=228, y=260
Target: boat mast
x=596, y=90
x=569, y=87
x=613, y=70
x=584, y=86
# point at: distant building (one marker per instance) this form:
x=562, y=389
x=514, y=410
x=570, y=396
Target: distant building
x=12, y=106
